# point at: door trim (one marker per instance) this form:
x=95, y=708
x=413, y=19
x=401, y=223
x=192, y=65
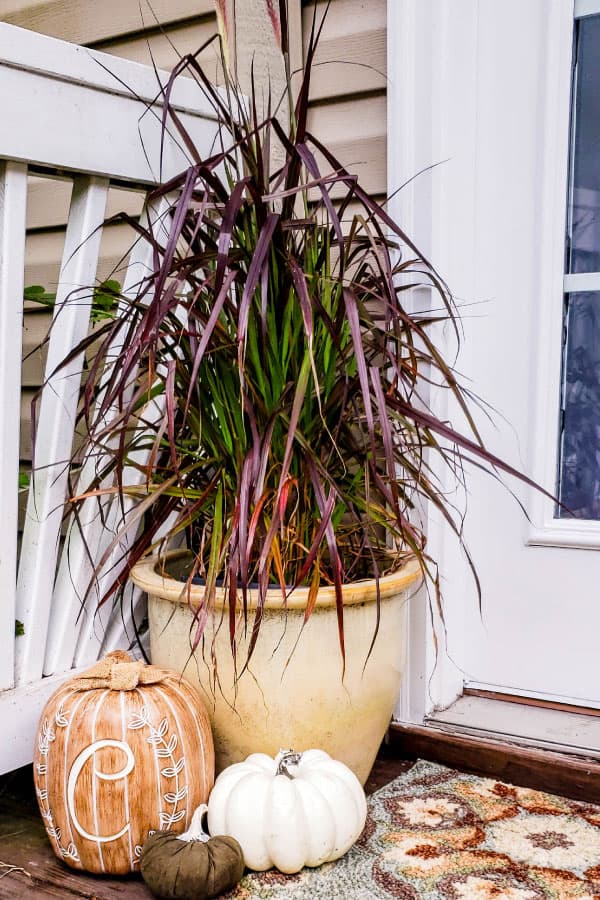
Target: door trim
x=524, y=700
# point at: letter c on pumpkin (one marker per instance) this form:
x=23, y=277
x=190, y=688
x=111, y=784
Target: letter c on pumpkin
x=74, y=773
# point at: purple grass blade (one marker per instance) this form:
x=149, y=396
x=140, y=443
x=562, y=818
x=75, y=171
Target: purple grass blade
x=207, y=334
x=259, y=259
x=386, y=431
x=276, y=24
x=361, y=363
x=336, y=562
x=170, y=409
x=317, y=539
x=311, y=164
x=299, y=279
x=243, y=512
x=437, y=426
x=299, y=395
x=263, y=459
x=232, y=208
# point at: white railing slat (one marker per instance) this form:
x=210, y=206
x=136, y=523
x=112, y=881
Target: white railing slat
x=13, y=202
x=121, y=632
x=93, y=627
x=93, y=630
x=77, y=631
x=56, y=422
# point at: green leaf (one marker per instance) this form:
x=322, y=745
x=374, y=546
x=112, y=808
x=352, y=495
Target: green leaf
x=19, y=628
x=24, y=479
x=105, y=300
x=38, y=294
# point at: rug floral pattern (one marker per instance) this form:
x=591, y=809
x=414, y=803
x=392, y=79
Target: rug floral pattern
x=438, y=833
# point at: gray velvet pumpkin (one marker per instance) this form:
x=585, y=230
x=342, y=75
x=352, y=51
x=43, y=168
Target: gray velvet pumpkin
x=191, y=866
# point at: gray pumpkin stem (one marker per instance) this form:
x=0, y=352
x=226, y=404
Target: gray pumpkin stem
x=196, y=831
x=287, y=758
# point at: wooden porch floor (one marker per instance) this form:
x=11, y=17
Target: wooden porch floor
x=39, y=874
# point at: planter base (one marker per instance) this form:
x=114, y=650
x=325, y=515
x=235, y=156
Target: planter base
x=292, y=694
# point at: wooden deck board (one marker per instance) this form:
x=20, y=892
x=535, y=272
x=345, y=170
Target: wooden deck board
x=23, y=843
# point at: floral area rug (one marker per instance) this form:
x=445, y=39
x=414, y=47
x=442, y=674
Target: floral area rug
x=438, y=833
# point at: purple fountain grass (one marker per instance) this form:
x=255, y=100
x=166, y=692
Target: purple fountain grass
x=293, y=446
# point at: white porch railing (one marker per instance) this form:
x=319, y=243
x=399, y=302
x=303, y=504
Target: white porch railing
x=82, y=114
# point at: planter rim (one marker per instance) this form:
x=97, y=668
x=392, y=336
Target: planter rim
x=145, y=575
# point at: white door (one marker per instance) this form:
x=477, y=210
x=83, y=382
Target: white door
x=489, y=92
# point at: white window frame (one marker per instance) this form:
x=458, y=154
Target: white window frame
x=546, y=529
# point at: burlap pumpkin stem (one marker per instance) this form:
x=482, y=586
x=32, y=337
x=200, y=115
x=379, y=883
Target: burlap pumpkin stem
x=118, y=672
x=191, y=866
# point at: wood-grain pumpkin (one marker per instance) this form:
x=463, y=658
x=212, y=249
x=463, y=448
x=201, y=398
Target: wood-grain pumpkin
x=122, y=750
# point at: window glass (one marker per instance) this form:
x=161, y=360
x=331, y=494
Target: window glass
x=579, y=457
x=584, y=205
x=579, y=476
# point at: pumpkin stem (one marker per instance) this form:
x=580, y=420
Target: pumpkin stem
x=287, y=758
x=196, y=831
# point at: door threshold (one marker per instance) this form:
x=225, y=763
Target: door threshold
x=542, y=727
x=569, y=775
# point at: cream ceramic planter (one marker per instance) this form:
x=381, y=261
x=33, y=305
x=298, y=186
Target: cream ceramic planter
x=289, y=699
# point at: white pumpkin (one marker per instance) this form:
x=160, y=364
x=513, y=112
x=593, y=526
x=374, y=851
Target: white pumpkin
x=299, y=809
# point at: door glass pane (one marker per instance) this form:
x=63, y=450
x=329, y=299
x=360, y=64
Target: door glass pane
x=579, y=476
x=584, y=200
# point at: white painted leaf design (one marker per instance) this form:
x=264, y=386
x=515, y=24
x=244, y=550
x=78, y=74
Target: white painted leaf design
x=176, y=796
x=48, y=731
x=45, y=738
x=60, y=718
x=168, y=750
x=140, y=720
x=171, y=771
x=163, y=727
x=168, y=819
x=70, y=852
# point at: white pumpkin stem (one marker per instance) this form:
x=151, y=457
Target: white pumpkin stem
x=196, y=830
x=287, y=758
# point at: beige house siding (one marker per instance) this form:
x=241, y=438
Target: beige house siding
x=348, y=86
x=348, y=110
x=86, y=22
